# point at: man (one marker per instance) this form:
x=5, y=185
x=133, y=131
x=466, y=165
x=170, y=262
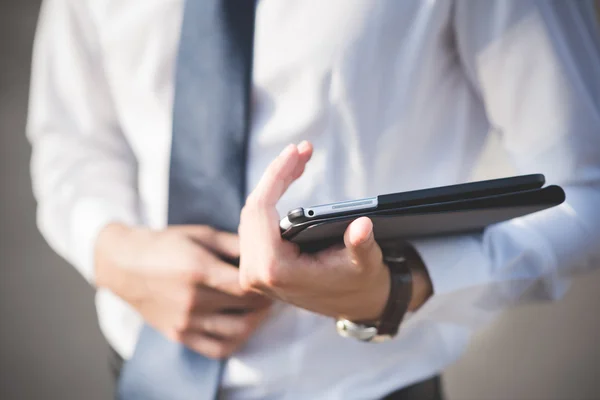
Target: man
x=391, y=96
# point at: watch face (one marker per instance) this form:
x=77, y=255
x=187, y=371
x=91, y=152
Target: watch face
x=347, y=328
x=381, y=338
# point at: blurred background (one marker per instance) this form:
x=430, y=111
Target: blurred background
x=51, y=348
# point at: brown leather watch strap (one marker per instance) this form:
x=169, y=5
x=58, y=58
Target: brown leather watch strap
x=396, y=258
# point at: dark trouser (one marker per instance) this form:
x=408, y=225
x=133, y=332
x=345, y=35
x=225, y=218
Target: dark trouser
x=115, y=363
x=430, y=389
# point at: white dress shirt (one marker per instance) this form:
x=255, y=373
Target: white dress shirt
x=395, y=95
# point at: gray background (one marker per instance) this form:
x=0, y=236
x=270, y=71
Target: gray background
x=50, y=346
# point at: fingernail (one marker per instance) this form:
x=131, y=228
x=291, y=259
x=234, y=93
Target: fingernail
x=303, y=145
x=366, y=240
x=288, y=149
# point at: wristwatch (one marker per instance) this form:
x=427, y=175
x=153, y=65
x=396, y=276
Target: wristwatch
x=397, y=260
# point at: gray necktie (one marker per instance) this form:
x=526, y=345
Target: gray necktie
x=207, y=175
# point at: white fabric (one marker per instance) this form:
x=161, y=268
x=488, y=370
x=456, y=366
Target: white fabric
x=395, y=95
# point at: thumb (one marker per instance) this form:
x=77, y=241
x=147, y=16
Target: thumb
x=360, y=240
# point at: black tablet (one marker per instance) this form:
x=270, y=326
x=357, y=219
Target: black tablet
x=429, y=212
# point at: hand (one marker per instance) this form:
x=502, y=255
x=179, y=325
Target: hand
x=350, y=281
x=176, y=280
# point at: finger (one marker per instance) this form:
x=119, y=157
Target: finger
x=208, y=346
x=223, y=277
x=279, y=176
x=206, y=269
x=223, y=243
x=210, y=300
x=305, y=151
x=218, y=337
x=227, y=326
x=360, y=241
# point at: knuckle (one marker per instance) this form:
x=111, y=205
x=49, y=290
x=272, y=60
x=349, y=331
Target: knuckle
x=195, y=275
x=272, y=276
x=254, y=299
x=247, y=282
x=262, y=302
x=196, y=256
x=208, y=325
x=263, y=273
x=176, y=335
x=204, y=231
x=246, y=328
x=184, y=323
x=188, y=273
x=269, y=276
x=189, y=304
x=171, y=235
x=220, y=350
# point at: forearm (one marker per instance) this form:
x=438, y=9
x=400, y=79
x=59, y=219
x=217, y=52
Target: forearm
x=477, y=276
x=83, y=171
x=79, y=192
x=531, y=72
x=112, y=252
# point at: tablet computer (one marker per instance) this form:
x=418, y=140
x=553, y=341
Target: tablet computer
x=429, y=212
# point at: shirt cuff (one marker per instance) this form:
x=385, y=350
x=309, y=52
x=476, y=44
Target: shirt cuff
x=454, y=263
x=476, y=276
x=88, y=218
x=460, y=274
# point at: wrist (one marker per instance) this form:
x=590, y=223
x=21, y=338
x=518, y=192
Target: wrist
x=372, y=303
x=422, y=288
x=111, y=255
x=397, y=298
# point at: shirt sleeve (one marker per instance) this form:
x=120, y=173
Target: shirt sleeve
x=83, y=171
x=536, y=67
